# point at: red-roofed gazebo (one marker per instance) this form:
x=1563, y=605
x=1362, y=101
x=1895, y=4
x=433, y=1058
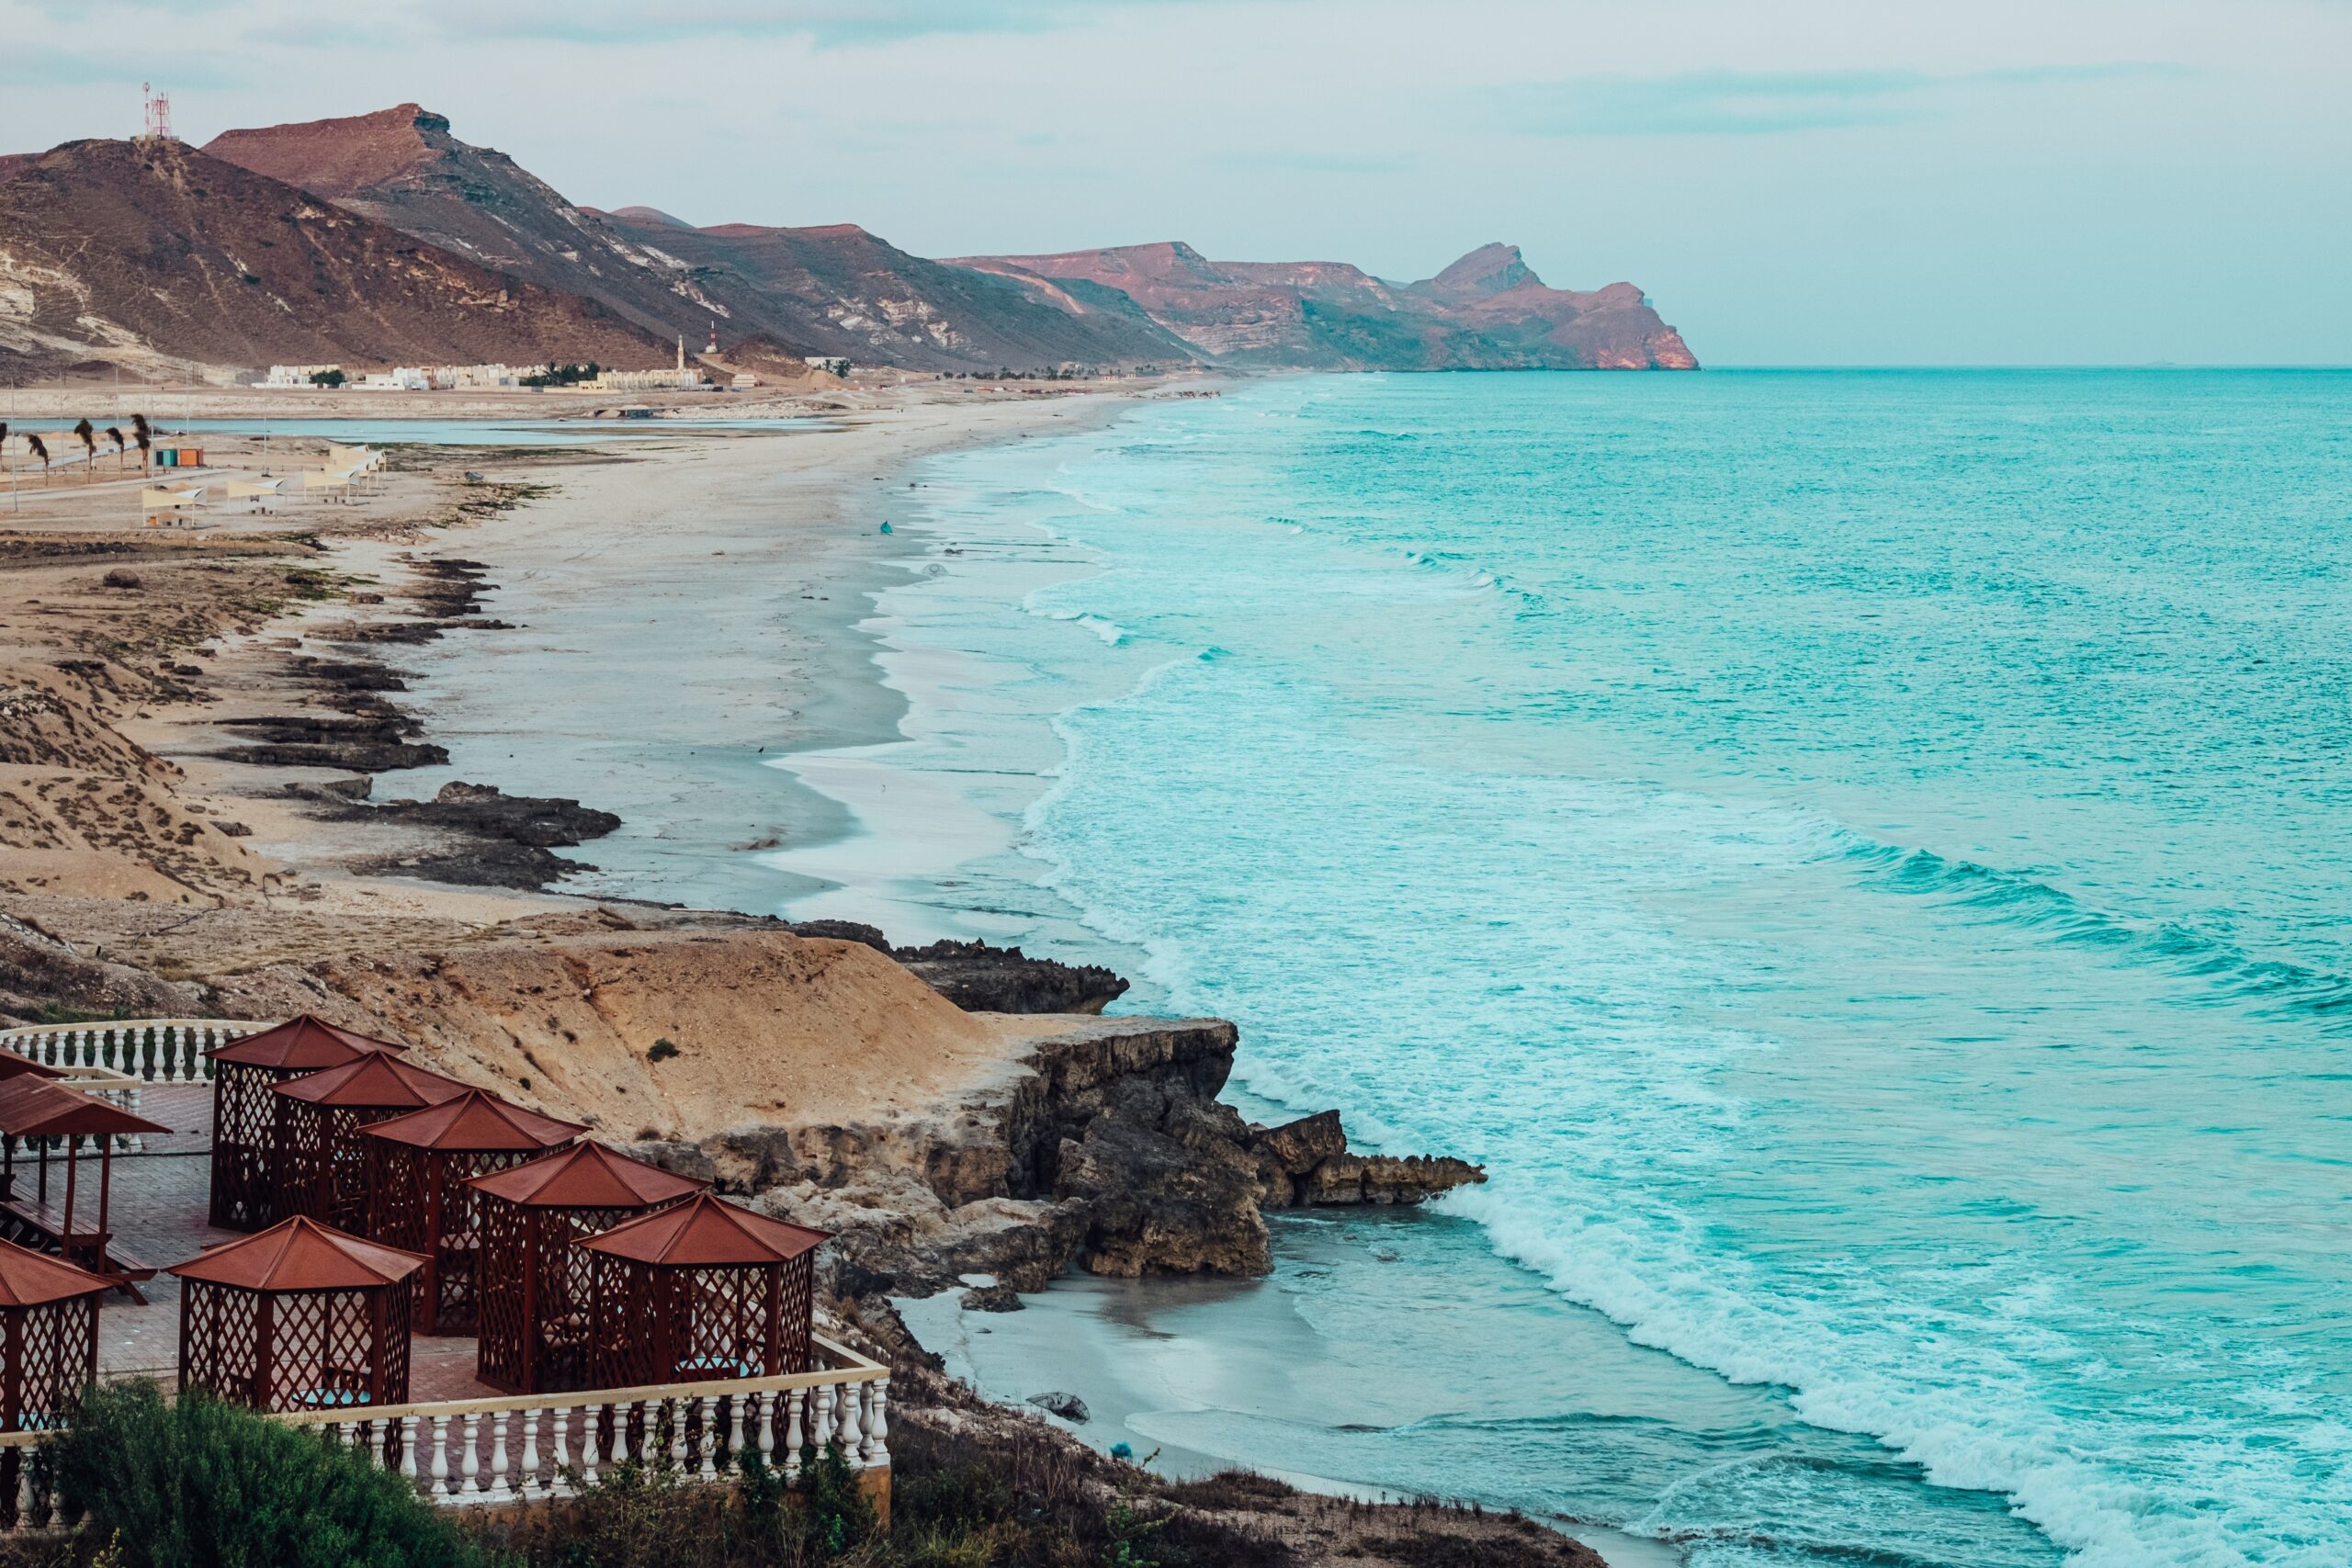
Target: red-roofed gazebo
x=42, y=1110
x=322, y=1165
x=703, y=1291
x=536, y=1301
x=298, y=1317
x=49, y=1337
x=418, y=1168
x=244, y=1125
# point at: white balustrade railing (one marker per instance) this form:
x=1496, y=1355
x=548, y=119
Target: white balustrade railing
x=527, y=1447
x=152, y=1050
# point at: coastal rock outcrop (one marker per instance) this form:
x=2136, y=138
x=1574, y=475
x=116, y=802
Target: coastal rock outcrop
x=981, y=979
x=823, y=1080
x=1306, y=1162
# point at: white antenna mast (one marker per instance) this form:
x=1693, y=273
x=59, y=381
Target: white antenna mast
x=159, y=114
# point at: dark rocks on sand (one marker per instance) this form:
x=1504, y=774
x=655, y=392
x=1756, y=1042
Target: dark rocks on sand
x=980, y=978
x=494, y=839
x=998, y=1297
x=1068, y=1406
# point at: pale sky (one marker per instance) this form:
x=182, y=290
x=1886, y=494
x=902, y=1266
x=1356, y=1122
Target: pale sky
x=1792, y=181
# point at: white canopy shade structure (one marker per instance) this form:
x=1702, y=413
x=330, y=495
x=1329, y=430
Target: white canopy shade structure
x=253, y=490
x=155, y=501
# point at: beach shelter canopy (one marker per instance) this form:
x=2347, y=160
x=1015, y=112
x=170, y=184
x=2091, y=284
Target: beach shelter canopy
x=320, y=1165
x=298, y=1317
x=13, y=1066
x=244, y=1113
x=305, y=1043
x=49, y=1337
x=419, y=1165
x=34, y=1107
x=704, y=1290
x=535, y=1297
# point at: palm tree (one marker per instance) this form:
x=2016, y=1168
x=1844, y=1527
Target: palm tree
x=114, y=433
x=144, y=436
x=90, y=447
x=33, y=444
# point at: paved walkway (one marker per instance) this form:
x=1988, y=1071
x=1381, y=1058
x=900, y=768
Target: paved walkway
x=162, y=1198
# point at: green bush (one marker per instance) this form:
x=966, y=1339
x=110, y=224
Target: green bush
x=197, y=1483
x=821, y=1513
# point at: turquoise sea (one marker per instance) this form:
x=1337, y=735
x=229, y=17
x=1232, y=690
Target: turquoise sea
x=1864, y=858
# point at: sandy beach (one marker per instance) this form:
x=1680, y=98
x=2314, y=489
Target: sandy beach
x=499, y=731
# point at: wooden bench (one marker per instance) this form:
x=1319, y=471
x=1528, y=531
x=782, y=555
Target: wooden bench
x=88, y=1247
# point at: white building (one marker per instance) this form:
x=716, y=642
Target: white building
x=295, y=374
x=830, y=364
x=406, y=378
x=453, y=377
x=677, y=379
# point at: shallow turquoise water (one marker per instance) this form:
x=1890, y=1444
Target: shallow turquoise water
x=1863, y=857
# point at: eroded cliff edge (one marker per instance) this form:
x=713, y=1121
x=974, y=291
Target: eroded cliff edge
x=822, y=1079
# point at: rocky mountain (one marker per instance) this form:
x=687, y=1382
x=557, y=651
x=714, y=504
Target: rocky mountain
x=1488, y=312
x=157, y=257
x=839, y=289
x=822, y=290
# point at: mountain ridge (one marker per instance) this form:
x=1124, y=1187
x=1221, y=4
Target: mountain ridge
x=1487, y=311
x=156, y=257
x=423, y=246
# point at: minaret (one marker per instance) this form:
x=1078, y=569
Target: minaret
x=713, y=349
x=682, y=351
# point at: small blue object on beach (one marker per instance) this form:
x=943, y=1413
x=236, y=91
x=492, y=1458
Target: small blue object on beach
x=1122, y=1450
x=886, y=528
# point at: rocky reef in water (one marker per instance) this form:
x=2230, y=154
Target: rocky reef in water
x=1106, y=1149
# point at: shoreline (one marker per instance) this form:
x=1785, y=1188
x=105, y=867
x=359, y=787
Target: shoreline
x=841, y=698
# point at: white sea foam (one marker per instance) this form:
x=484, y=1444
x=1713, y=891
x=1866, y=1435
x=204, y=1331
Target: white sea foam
x=1877, y=1140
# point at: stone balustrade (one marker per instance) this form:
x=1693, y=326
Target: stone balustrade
x=523, y=1449
x=153, y=1050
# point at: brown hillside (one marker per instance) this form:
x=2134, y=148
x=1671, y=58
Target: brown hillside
x=827, y=290
x=1488, y=312
x=156, y=257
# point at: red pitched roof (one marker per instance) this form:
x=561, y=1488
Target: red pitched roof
x=15, y=1067
x=475, y=1121
x=706, y=1232
x=32, y=1279
x=300, y=1254
x=587, y=1175
x=300, y=1044
x=377, y=1081
x=35, y=1107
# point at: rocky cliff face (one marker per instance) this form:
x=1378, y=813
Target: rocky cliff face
x=1106, y=1147
x=156, y=257
x=1486, y=312
x=839, y=289
x=151, y=255
x=835, y=290
x=401, y=168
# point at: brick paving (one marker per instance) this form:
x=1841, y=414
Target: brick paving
x=162, y=1197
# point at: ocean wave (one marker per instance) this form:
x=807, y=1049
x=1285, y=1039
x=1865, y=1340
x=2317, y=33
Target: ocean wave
x=2020, y=899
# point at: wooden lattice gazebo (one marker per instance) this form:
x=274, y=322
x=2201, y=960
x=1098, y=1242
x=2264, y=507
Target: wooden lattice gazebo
x=703, y=1291
x=535, y=1302
x=321, y=1166
x=418, y=1168
x=298, y=1317
x=244, y=1125
x=34, y=1107
x=49, y=1337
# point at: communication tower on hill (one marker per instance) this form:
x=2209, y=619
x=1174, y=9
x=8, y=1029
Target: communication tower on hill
x=159, y=114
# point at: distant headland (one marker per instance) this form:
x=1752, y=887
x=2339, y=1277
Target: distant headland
x=383, y=239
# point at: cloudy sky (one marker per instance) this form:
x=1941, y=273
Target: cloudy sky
x=1792, y=181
